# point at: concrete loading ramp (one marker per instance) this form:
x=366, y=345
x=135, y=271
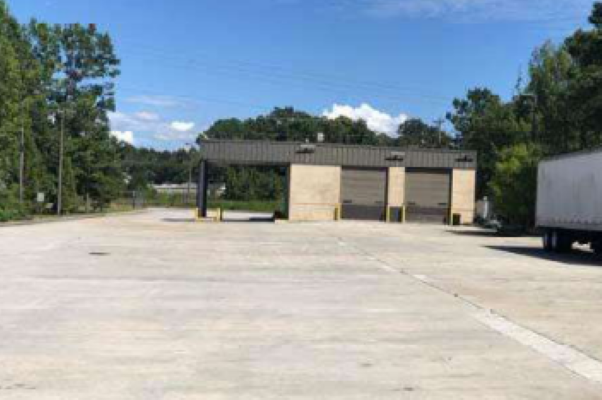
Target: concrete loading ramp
x=331, y=181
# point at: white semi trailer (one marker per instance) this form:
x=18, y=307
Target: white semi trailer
x=569, y=201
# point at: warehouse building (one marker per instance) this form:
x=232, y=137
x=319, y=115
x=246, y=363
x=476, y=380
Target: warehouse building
x=332, y=181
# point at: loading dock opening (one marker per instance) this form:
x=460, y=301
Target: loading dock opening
x=364, y=193
x=330, y=181
x=428, y=195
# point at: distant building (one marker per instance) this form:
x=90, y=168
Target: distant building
x=331, y=181
x=172, y=188
x=216, y=190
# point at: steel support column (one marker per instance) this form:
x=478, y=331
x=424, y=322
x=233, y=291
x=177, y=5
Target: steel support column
x=202, y=189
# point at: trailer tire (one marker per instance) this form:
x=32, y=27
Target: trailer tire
x=547, y=241
x=554, y=241
x=561, y=242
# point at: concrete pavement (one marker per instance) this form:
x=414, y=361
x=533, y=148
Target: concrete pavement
x=153, y=306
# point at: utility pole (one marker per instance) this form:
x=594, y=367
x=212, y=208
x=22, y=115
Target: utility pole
x=190, y=168
x=22, y=158
x=439, y=122
x=22, y=145
x=59, y=206
x=189, y=184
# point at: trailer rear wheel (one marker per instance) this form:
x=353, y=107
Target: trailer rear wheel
x=561, y=242
x=554, y=241
x=547, y=241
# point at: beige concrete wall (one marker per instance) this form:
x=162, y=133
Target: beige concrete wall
x=396, y=187
x=464, y=184
x=314, y=192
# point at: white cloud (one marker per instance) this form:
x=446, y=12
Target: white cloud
x=155, y=101
x=147, y=127
x=124, y=136
x=549, y=11
x=180, y=126
x=147, y=116
x=124, y=122
x=376, y=120
x=171, y=136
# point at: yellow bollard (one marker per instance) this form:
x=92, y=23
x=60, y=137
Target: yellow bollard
x=388, y=215
x=403, y=214
x=337, y=212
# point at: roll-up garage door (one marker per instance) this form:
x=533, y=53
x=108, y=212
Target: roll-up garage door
x=428, y=194
x=363, y=193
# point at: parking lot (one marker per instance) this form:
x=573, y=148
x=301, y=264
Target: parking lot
x=154, y=306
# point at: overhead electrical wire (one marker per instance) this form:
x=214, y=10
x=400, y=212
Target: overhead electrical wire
x=280, y=76
x=287, y=70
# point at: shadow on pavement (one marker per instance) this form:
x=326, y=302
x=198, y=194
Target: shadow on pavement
x=249, y=220
x=482, y=233
x=225, y=221
x=575, y=257
x=492, y=233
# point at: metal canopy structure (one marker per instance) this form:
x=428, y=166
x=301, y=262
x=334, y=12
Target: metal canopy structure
x=286, y=153
x=359, y=164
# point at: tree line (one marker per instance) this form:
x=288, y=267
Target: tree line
x=556, y=110
x=56, y=88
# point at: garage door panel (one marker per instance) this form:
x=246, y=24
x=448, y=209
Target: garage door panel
x=428, y=195
x=363, y=193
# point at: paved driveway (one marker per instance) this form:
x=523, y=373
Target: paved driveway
x=153, y=306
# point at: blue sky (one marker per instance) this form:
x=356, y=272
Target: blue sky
x=187, y=63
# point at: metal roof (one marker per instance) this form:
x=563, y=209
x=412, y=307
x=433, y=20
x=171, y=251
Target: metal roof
x=582, y=153
x=285, y=153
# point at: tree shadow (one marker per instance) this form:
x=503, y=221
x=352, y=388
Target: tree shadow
x=575, y=257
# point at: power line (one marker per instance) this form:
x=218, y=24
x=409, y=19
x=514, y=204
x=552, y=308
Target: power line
x=288, y=71
x=190, y=98
x=322, y=86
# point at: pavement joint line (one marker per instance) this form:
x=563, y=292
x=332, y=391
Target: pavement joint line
x=572, y=359
x=564, y=355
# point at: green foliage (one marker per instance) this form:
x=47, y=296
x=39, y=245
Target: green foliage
x=288, y=124
x=9, y=205
x=559, y=111
x=584, y=92
x=416, y=133
x=514, y=185
x=550, y=76
x=53, y=76
x=488, y=125
x=148, y=166
x=261, y=183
